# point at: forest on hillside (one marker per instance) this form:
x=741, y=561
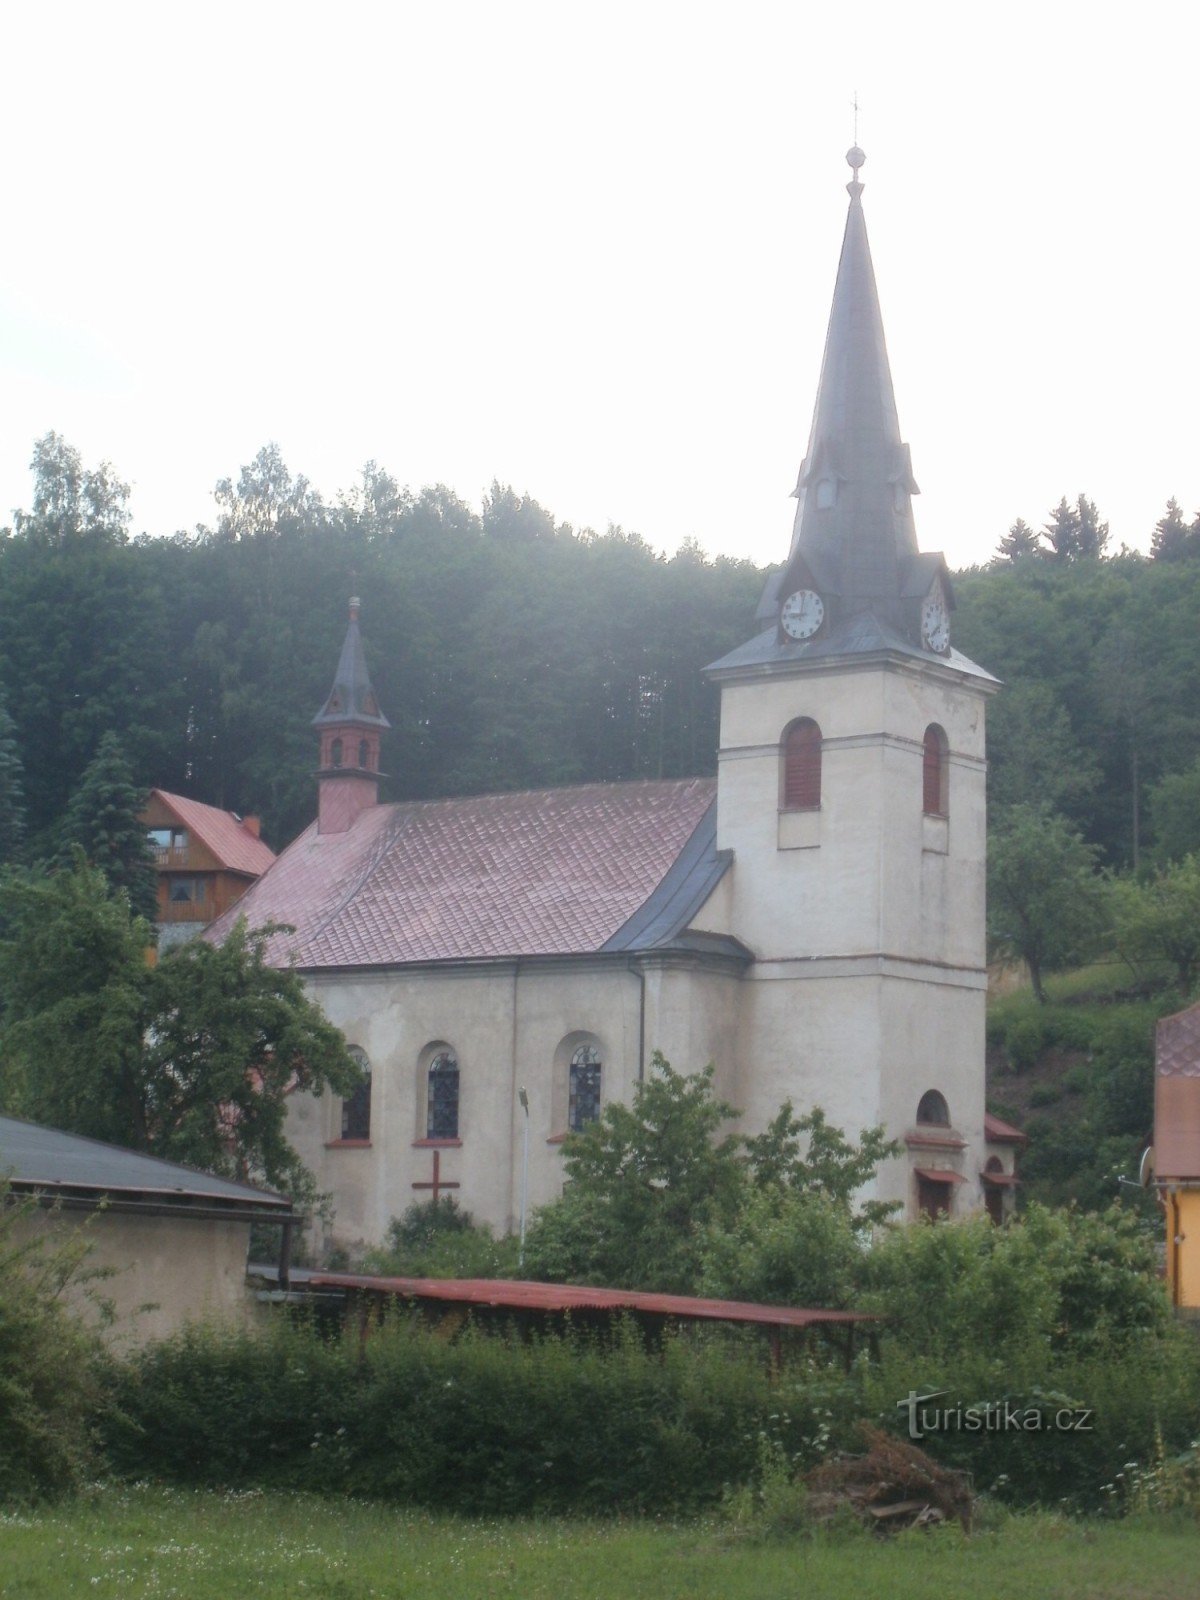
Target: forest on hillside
x=510, y=650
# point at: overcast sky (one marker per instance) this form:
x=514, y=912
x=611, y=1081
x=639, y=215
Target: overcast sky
x=589, y=250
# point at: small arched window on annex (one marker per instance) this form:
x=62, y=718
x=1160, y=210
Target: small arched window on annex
x=936, y=773
x=440, y=1076
x=800, y=766
x=933, y=1112
x=356, y=1108
x=993, y=1192
x=335, y=753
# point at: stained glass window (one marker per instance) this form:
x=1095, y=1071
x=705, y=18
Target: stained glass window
x=442, y=1121
x=584, y=1087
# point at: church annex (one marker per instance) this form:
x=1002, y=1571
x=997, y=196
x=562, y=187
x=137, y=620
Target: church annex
x=812, y=920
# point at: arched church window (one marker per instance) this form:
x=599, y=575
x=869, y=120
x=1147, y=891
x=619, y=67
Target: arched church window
x=933, y=1110
x=335, y=753
x=364, y=754
x=441, y=1120
x=583, y=1088
x=356, y=1110
x=936, y=785
x=801, y=766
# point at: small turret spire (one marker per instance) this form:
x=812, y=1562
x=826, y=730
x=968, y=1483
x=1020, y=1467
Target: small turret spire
x=350, y=724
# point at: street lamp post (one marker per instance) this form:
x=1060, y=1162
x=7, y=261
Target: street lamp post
x=524, y=1099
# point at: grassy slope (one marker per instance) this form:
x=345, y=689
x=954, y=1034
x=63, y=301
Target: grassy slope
x=154, y=1542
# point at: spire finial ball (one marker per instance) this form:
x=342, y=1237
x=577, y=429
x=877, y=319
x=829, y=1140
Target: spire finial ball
x=855, y=157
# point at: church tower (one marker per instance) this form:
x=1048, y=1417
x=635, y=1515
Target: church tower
x=851, y=792
x=350, y=724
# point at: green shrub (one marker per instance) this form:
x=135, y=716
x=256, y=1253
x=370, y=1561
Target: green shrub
x=1045, y=1094
x=49, y=1360
x=482, y=1424
x=438, y=1239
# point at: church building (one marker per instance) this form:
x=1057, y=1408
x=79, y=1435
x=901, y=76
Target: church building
x=811, y=920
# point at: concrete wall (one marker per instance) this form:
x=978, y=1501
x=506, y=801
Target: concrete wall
x=161, y=1271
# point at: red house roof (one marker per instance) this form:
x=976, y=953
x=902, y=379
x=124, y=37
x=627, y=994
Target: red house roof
x=997, y=1132
x=545, y=872
x=222, y=832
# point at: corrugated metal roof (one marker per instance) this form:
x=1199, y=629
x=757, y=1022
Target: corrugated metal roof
x=31, y=1155
x=222, y=832
x=518, y=1294
x=546, y=872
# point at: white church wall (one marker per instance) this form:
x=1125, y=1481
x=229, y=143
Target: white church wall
x=505, y=1023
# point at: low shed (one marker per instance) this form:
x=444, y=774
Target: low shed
x=452, y=1300
x=171, y=1241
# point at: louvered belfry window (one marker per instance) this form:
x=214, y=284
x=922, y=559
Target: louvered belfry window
x=802, y=766
x=936, y=772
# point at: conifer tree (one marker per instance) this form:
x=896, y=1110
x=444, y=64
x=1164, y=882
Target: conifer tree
x=102, y=821
x=12, y=792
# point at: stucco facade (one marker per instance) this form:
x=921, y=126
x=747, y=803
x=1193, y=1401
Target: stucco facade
x=143, y=1278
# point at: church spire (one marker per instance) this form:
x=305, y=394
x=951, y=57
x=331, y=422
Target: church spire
x=854, y=526
x=350, y=725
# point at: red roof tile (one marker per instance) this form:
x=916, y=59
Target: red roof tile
x=234, y=846
x=997, y=1132
x=545, y=872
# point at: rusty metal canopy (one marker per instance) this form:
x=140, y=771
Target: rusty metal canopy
x=518, y=1295
x=939, y=1175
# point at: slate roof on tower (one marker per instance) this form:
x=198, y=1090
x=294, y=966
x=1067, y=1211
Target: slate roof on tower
x=854, y=539
x=598, y=868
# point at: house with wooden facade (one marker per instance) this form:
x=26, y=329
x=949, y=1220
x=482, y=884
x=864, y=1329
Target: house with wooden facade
x=206, y=858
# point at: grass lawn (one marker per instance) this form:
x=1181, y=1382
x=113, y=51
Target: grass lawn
x=147, y=1541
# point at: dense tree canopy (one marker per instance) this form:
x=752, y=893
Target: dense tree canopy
x=511, y=651
x=192, y=1058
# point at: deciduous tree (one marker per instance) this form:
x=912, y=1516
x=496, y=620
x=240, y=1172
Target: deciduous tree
x=1046, y=906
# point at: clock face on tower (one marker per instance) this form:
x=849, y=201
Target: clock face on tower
x=802, y=614
x=935, y=623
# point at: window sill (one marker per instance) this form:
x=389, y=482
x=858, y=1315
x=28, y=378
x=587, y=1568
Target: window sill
x=347, y=1144
x=437, y=1144
x=556, y=1138
x=800, y=828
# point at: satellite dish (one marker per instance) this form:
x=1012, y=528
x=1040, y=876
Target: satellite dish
x=1146, y=1167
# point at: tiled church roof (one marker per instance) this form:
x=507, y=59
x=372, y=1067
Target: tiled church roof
x=546, y=872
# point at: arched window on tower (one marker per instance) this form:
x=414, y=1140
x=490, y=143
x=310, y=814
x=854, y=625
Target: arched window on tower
x=933, y=1110
x=936, y=787
x=335, y=753
x=583, y=1088
x=356, y=1110
x=441, y=1120
x=364, y=754
x=801, y=779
